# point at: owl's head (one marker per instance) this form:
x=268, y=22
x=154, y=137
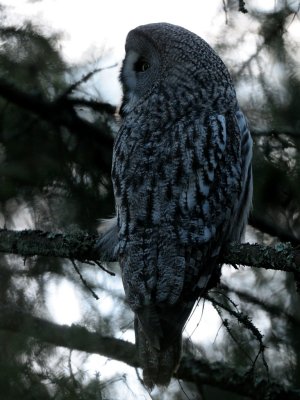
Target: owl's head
x=167, y=59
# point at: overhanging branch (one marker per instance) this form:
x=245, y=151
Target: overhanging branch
x=196, y=371
x=59, y=112
x=73, y=337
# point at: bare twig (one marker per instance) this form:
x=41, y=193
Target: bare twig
x=84, y=79
x=84, y=281
x=244, y=320
x=104, y=269
x=273, y=309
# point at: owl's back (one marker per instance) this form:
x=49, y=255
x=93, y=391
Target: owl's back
x=182, y=182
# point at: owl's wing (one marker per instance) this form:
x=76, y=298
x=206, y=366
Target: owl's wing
x=214, y=176
x=214, y=188
x=245, y=199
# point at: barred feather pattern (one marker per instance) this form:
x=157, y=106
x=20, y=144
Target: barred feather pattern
x=182, y=183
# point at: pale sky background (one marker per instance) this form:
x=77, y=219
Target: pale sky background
x=93, y=27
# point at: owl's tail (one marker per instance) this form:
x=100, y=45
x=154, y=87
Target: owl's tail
x=158, y=364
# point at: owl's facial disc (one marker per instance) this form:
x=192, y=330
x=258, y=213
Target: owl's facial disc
x=136, y=71
x=139, y=74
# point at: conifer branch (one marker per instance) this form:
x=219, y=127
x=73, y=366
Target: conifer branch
x=198, y=371
x=81, y=246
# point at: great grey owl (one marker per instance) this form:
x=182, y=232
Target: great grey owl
x=182, y=183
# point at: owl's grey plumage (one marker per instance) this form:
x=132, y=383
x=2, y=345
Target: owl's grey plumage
x=182, y=183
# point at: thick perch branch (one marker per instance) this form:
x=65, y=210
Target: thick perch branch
x=82, y=246
x=197, y=371
x=77, y=245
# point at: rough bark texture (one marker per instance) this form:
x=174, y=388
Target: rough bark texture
x=81, y=246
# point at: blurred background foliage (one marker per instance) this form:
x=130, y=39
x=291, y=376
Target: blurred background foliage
x=56, y=140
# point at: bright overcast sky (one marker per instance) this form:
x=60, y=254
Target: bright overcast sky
x=94, y=23
x=93, y=27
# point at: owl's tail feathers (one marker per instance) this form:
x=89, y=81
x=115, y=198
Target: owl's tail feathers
x=158, y=364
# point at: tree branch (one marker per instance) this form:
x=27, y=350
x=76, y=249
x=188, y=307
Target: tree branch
x=59, y=112
x=196, y=371
x=272, y=309
x=84, y=79
x=82, y=246
x=77, y=245
x=220, y=375
x=265, y=225
x=275, y=133
x=73, y=337
x=281, y=257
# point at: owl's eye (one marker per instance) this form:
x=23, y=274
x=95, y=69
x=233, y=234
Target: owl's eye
x=141, y=65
